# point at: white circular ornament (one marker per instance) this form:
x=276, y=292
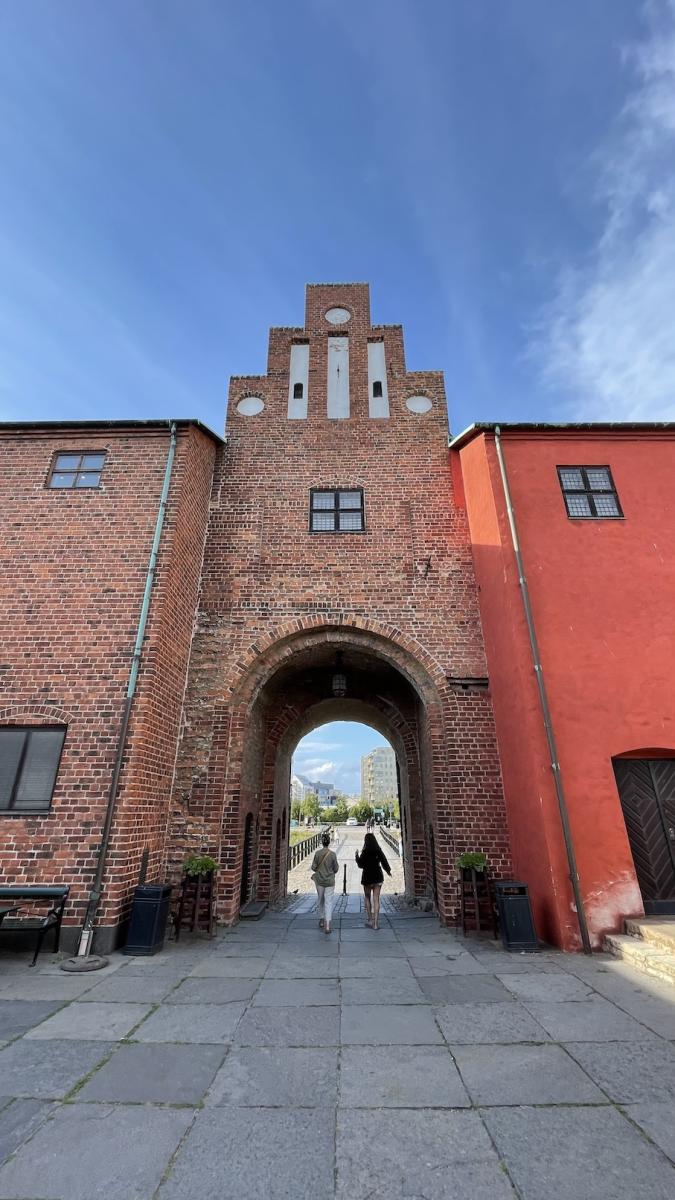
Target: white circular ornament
x=338, y=316
x=250, y=406
x=418, y=404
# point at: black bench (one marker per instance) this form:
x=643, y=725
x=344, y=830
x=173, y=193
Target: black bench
x=54, y=897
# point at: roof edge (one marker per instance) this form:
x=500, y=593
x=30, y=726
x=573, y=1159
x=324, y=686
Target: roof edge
x=472, y=431
x=157, y=423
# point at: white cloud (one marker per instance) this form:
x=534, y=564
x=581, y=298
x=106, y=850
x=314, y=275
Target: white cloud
x=608, y=335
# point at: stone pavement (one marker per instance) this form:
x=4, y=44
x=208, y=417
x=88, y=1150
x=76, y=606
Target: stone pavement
x=275, y=1063
x=346, y=841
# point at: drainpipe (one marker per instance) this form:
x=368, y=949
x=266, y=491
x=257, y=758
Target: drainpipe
x=95, y=894
x=543, y=700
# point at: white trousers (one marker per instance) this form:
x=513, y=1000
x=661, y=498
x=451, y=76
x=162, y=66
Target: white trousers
x=325, y=895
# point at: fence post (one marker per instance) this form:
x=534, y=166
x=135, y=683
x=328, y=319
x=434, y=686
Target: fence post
x=344, y=881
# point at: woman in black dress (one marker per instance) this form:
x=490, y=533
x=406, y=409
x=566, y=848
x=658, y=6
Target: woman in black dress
x=371, y=860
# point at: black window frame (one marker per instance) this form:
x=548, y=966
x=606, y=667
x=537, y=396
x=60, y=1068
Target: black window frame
x=335, y=509
x=377, y=389
x=76, y=471
x=590, y=492
x=298, y=391
x=30, y=731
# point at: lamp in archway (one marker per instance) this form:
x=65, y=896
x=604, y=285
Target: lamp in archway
x=339, y=679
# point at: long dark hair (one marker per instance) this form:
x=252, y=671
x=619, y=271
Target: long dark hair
x=370, y=843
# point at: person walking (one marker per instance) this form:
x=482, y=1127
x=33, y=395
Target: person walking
x=371, y=860
x=324, y=869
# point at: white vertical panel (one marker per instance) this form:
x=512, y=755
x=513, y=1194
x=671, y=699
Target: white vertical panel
x=299, y=373
x=338, y=377
x=378, y=406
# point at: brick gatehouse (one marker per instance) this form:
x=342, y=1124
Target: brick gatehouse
x=331, y=558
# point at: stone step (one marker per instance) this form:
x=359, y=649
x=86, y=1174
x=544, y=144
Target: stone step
x=644, y=956
x=660, y=931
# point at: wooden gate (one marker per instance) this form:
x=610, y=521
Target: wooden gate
x=647, y=792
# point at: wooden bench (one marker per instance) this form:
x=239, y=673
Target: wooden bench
x=54, y=897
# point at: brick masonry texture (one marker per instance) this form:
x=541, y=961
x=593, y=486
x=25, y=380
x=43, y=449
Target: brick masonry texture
x=248, y=612
x=71, y=583
x=277, y=601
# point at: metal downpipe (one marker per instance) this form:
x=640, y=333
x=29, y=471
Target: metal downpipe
x=543, y=699
x=95, y=894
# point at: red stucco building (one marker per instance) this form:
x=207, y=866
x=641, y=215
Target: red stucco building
x=594, y=512
x=176, y=609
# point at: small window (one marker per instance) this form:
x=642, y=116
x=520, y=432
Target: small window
x=29, y=761
x=589, y=492
x=377, y=388
x=297, y=391
x=334, y=511
x=76, y=470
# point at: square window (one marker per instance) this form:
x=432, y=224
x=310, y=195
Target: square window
x=589, y=492
x=76, y=470
x=336, y=511
x=29, y=761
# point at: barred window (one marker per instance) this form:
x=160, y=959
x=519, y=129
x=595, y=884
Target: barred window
x=333, y=510
x=29, y=761
x=589, y=492
x=76, y=470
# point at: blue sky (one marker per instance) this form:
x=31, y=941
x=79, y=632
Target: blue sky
x=173, y=173
x=332, y=754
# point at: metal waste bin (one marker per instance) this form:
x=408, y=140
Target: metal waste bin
x=149, y=914
x=515, y=915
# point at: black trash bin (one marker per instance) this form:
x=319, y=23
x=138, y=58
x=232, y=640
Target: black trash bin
x=149, y=914
x=515, y=915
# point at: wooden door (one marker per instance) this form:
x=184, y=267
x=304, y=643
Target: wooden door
x=647, y=791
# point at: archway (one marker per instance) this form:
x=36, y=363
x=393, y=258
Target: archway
x=440, y=728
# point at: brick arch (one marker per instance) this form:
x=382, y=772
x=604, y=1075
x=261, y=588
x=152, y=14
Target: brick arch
x=35, y=714
x=264, y=656
x=292, y=724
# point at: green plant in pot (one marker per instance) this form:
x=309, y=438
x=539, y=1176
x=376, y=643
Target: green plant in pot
x=472, y=860
x=200, y=864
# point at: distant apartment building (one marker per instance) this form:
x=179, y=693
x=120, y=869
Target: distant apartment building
x=302, y=786
x=378, y=777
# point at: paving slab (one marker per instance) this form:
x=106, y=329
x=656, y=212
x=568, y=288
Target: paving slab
x=45, y=987
x=592, y=1020
x=389, y=1025
x=255, y=1154
x=321, y=947
x=96, y=1152
x=241, y=949
x=218, y=967
x=265, y=1076
x=154, y=1072
x=545, y=985
x=629, y=1071
x=17, y=1016
x=464, y=989
x=484, y=1024
x=523, y=1074
x=289, y=1027
x=375, y=991
x=106, y=1021
x=142, y=989
x=573, y=1153
x=416, y=1155
x=196, y=1023
x=436, y=965
x=283, y=993
x=212, y=991
x=48, y=1070
x=372, y=949
x=18, y=1122
x=657, y=1118
x=400, y=1077
x=374, y=968
x=302, y=967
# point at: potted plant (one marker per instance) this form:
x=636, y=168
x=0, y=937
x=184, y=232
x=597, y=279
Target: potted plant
x=472, y=860
x=199, y=864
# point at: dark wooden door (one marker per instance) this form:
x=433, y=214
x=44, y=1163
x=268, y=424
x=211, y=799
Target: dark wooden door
x=647, y=791
x=247, y=861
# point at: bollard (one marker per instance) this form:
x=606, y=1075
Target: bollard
x=344, y=881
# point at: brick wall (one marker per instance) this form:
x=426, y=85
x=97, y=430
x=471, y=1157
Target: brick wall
x=72, y=573
x=273, y=594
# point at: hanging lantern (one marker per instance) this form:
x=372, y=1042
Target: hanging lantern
x=339, y=680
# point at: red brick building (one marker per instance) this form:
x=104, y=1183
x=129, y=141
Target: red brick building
x=595, y=519
x=331, y=559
